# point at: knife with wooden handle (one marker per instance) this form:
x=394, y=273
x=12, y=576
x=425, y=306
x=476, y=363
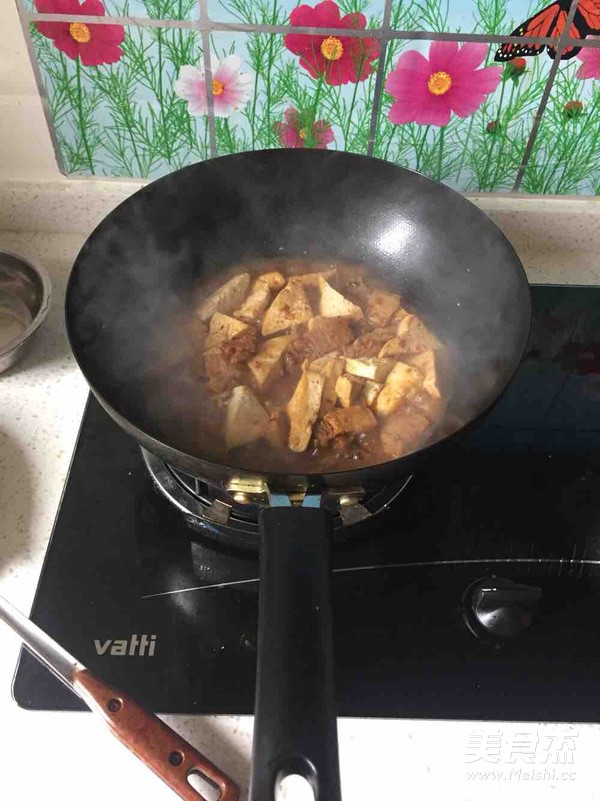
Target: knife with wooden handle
x=151, y=740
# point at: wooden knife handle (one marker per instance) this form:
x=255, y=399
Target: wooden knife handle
x=151, y=740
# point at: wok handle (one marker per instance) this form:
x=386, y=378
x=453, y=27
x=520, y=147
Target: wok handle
x=151, y=740
x=295, y=727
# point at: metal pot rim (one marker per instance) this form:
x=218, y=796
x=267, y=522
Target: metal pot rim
x=41, y=313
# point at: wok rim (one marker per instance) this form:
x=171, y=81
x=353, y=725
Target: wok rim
x=392, y=465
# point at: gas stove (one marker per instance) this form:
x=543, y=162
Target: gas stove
x=469, y=590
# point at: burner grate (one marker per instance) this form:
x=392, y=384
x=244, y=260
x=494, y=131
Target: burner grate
x=213, y=512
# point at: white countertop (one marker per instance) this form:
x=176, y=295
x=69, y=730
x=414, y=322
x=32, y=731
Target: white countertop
x=71, y=756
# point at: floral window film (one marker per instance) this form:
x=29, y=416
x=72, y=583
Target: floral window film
x=484, y=95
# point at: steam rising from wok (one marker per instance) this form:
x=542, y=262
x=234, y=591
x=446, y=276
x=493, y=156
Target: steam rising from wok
x=143, y=271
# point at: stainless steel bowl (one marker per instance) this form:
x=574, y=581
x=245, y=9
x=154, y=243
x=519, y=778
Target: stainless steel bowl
x=25, y=292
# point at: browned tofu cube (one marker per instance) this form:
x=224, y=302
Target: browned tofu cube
x=267, y=364
x=348, y=389
x=334, y=304
x=312, y=279
x=290, y=306
x=393, y=348
x=399, y=315
x=426, y=363
x=414, y=335
x=223, y=328
x=274, y=280
x=303, y=409
x=255, y=304
x=226, y=298
x=370, y=367
x=370, y=392
x=246, y=419
x=402, y=382
x=331, y=368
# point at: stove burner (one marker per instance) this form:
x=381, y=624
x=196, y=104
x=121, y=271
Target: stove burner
x=216, y=513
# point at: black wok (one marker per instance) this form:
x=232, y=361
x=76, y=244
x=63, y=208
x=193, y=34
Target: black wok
x=146, y=264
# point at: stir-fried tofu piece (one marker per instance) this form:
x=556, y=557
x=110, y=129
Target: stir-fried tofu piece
x=396, y=347
x=223, y=328
x=393, y=347
x=402, y=432
x=331, y=368
x=369, y=367
x=355, y=420
x=402, y=382
x=426, y=363
x=268, y=362
x=303, y=409
x=399, y=315
x=348, y=389
x=414, y=335
x=313, y=279
x=226, y=298
x=380, y=306
x=274, y=280
x=334, y=304
x=370, y=392
x=257, y=301
x=290, y=306
x=246, y=419
x=323, y=361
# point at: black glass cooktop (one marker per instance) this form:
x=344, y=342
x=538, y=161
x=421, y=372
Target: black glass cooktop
x=515, y=507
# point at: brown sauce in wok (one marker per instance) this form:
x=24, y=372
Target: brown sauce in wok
x=214, y=382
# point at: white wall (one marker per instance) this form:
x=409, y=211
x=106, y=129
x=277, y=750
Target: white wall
x=25, y=147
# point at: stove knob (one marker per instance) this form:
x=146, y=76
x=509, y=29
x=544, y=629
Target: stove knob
x=499, y=608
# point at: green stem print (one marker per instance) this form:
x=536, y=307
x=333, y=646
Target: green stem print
x=484, y=181
x=82, y=118
x=268, y=88
x=350, y=112
x=421, y=146
x=441, y=154
x=464, y=152
x=253, y=112
x=310, y=139
x=504, y=126
x=160, y=97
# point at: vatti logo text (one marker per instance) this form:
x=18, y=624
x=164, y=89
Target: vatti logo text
x=136, y=645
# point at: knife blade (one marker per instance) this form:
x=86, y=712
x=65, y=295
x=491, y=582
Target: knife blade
x=171, y=757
